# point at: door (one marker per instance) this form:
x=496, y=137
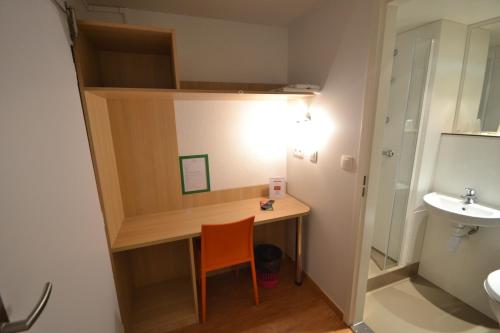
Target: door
x=402, y=125
x=51, y=226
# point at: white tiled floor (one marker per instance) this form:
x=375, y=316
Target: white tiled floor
x=417, y=306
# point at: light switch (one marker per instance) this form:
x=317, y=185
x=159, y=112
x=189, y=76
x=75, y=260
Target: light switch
x=314, y=157
x=347, y=162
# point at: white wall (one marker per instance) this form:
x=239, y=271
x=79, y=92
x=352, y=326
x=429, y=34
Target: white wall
x=464, y=161
x=51, y=223
x=388, y=40
x=314, y=40
x=245, y=140
x=343, y=30
x=215, y=50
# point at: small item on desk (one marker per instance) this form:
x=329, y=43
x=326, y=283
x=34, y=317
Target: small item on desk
x=267, y=205
x=277, y=188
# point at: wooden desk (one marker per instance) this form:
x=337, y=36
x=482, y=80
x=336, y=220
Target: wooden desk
x=170, y=226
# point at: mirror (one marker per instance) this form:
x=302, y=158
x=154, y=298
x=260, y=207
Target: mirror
x=478, y=109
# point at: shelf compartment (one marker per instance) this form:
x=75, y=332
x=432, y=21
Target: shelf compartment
x=116, y=55
x=155, y=287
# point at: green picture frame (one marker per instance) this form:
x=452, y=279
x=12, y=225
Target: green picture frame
x=207, y=172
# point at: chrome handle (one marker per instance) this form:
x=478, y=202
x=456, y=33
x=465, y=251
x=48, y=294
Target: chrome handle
x=469, y=192
x=469, y=196
x=388, y=153
x=24, y=325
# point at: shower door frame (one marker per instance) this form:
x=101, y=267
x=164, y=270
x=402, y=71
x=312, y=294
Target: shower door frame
x=370, y=157
x=402, y=259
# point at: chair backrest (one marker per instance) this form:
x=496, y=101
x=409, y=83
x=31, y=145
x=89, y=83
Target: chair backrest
x=228, y=244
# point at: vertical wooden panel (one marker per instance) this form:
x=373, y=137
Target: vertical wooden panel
x=145, y=142
x=174, y=69
x=194, y=279
x=85, y=56
x=160, y=263
x=105, y=163
x=124, y=288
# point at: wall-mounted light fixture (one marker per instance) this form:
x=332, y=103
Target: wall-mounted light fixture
x=303, y=135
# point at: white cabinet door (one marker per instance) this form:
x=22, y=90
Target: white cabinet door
x=51, y=225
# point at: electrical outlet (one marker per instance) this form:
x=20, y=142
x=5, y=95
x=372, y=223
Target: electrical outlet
x=298, y=153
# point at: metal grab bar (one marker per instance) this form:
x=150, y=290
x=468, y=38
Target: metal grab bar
x=25, y=324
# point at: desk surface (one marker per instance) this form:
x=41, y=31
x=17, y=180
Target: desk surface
x=147, y=230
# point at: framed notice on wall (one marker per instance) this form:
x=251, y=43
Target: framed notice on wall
x=195, y=177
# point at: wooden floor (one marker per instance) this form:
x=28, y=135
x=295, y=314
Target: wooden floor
x=286, y=308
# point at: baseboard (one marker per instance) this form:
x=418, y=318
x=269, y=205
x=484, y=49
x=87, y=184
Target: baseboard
x=392, y=276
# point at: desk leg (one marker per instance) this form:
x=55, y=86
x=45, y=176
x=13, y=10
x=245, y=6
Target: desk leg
x=298, y=251
x=193, y=278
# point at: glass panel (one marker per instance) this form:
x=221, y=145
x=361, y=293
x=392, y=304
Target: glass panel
x=409, y=137
x=409, y=78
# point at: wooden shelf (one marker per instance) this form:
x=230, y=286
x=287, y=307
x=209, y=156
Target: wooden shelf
x=163, y=307
x=186, y=94
x=152, y=229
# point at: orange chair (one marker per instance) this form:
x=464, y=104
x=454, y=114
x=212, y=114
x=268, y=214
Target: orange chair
x=224, y=245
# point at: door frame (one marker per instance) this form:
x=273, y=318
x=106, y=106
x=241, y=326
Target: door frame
x=376, y=102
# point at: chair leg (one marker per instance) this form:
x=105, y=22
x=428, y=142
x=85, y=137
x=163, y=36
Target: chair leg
x=203, y=277
x=254, y=281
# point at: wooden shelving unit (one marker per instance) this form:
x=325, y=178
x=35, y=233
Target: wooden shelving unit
x=128, y=80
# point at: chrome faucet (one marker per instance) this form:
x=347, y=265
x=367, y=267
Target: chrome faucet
x=469, y=196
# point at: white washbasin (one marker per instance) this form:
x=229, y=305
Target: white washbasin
x=456, y=210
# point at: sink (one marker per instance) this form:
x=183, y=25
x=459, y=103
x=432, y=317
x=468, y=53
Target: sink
x=456, y=210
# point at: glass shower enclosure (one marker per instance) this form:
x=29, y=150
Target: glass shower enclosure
x=401, y=132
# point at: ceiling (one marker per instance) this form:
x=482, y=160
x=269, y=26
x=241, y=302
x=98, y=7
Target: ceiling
x=266, y=12
x=414, y=13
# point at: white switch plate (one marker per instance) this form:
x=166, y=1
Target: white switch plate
x=347, y=162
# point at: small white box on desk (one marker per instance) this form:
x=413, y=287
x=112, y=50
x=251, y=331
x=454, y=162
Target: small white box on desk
x=277, y=188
